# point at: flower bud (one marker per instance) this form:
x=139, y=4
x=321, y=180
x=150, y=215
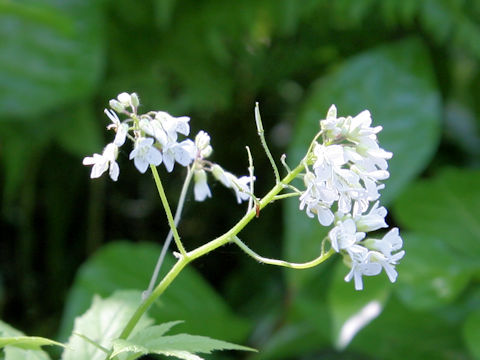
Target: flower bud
x=221, y=175
x=134, y=99
x=202, y=141
x=115, y=105
x=125, y=99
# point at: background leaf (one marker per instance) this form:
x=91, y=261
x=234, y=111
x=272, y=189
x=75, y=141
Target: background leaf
x=471, y=333
x=48, y=58
x=432, y=206
x=433, y=274
x=189, y=298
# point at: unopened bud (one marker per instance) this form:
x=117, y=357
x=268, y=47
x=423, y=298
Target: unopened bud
x=115, y=105
x=125, y=99
x=134, y=99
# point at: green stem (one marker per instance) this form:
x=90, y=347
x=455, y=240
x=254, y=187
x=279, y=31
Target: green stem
x=205, y=249
x=323, y=256
x=261, y=132
x=166, y=206
x=166, y=245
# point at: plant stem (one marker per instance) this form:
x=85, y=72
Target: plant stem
x=166, y=206
x=205, y=249
x=323, y=256
x=261, y=132
x=166, y=245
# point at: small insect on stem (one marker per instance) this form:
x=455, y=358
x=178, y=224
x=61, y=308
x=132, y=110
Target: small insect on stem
x=257, y=210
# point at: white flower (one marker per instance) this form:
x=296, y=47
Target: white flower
x=173, y=125
x=154, y=128
x=221, y=175
x=103, y=162
x=361, y=265
x=241, y=186
x=144, y=154
x=389, y=243
x=372, y=221
x=344, y=235
x=328, y=159
x=120, y=128
x=183, y=153
x=201, y=189
x=318, y=198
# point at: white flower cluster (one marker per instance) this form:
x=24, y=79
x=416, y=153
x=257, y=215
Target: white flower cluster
x=156, y=140
x=343, y=185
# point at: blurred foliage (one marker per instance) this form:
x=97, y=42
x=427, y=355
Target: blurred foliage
x=413, y=64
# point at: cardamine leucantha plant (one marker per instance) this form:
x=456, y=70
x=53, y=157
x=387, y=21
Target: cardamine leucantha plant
x=342, y=172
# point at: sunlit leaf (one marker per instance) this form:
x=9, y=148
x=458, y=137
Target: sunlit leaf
x=123, y=265
x=16, y=346
x=101, y=324
x=151, y=341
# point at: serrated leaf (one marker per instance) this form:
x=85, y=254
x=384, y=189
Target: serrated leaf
x=146, y=342
x=103, y=323
x=189, y=298
x=51, y=54
x=445, y=207
x=432, y=274
x=352, y=310
x=471, y=333
x=395, y=82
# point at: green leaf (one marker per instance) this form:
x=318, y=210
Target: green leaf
x=79, y=130
x=401, y=334
x=27, y=342
x=152, y=341
x=471, y=333
x=445, y=207
x=123, y=265
x=431, y=274
x=395, y=82
x=51, y=54
x=352, y=310
x=101, y=324
x=19, y=347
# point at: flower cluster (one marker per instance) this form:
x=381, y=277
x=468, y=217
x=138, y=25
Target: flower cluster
x=156, y=138
x=342, y=188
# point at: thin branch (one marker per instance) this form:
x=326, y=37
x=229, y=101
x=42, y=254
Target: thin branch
x=261, y=132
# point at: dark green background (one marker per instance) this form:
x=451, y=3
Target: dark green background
x=413, y=64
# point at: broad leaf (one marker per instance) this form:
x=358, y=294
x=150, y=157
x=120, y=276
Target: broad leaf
x=152, y=341
x=445, y=207
x=395, y=82
x=431, y=274
x=101, y=324
x=51, y=54
x=400, y=334
x=123, y=265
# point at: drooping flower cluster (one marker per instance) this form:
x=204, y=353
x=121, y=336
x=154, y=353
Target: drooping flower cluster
x=342, y=188
x=156, y=137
